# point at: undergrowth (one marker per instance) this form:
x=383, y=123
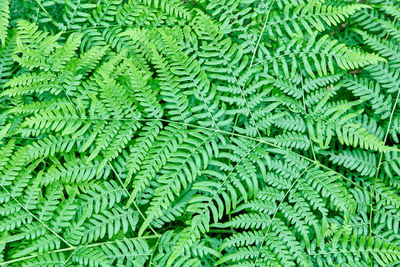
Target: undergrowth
x=199, y=133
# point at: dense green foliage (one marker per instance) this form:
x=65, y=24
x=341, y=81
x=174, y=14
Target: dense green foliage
x=199, y=133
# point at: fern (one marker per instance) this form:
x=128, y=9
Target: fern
x=199, y=133
x=4, y=19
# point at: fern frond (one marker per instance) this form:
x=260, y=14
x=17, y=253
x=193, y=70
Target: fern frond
x=48, y=205
x=101, y=197
x=91, y=256
x=157, y=157
x=76, y=12
x=32, y=83
x=15, y=220
x=107, y=223
x=63, y=215
x=361, y=161
x=386, y=48
x=75, y=171
x=42, y=244
x=307, y=17
x=387, y=77
x=326, y=183
x=316, y=56
x=171, y=7
x=362, y=246
x=292, y=140
x=371, y=92
x=47, y=259
x=183, y=169
x=4, y=19
x=6, y=62
x=128, y=251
